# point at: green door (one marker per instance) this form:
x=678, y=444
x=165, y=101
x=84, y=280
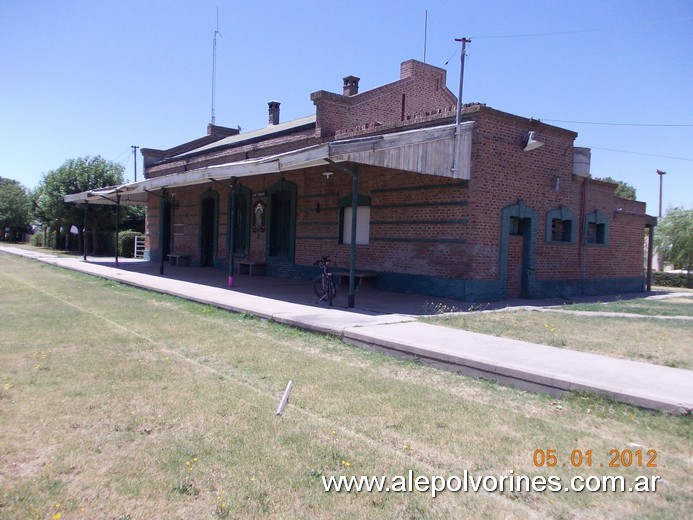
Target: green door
x=208, y=232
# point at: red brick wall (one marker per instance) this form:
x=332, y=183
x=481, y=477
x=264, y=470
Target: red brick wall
x=400, y=222
x=420, y=224
x=465, y=219
x=420, y=92
x=503, y=173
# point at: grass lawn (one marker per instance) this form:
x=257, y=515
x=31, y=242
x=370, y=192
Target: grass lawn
x=124, y=404
x=663, y=342
x=674, y=306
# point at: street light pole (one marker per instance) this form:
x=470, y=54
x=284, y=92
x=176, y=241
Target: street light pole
x=661, y=174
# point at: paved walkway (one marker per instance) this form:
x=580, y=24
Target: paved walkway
x=387, y=322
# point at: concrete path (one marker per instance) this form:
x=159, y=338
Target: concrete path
x=516, y=363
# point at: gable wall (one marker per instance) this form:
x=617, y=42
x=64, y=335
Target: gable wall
x=420, y=92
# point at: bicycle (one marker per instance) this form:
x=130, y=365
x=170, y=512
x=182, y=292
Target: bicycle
x=323, y=285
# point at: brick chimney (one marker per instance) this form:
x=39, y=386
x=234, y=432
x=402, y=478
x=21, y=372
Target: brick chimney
x=273, y=112
x=351, y=85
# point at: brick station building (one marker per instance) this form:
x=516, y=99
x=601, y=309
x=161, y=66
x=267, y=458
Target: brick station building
x=498, y=206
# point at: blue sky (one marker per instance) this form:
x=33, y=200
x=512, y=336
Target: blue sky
x=92, y=77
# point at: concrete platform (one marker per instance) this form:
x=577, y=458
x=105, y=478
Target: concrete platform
x=388, y=322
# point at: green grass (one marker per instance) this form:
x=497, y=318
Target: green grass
x=675, y=306
x=121, y=403
x=662, y=342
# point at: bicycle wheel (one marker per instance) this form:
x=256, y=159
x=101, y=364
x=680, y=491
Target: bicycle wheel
x=317, y=287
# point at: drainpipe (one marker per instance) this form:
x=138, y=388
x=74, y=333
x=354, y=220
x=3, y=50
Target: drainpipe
x=581, y=241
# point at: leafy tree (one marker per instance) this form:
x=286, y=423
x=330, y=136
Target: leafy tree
x=4, y=181
x=74, y=176
x=623, y=190
x=15, y=205
x=132, y=217
x=674, y=238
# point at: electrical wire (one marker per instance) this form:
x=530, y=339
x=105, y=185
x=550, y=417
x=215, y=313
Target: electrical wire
x=117, y=159
x=642, y=153
x=580, y=31
x=614, y=124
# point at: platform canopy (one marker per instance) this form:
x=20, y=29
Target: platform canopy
x=428, y=151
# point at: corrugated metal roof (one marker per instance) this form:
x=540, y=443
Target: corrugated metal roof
x=255, y=134
x=429, y=151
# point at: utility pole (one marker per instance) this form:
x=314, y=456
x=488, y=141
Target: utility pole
x=661, y=174
x=134, y=155
x=464, y=42
x=456, y=160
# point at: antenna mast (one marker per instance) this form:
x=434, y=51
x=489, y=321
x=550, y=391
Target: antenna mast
x=214, y=64
x=425, y=34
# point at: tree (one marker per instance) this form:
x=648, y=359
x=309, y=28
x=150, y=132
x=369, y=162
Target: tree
x=623, y=189
x=4, y=181
x=674, y=238
x=14, y=210
x=74, y=176
x=132, y=217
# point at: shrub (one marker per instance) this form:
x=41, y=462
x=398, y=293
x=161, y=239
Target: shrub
x=50, y=239
x=126, y=243
x=666, y=279
x=37, y=239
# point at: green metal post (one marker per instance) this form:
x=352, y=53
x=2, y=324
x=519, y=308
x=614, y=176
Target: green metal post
x=117, y=228
x=232, y=232
x=355, y=172
x=84, y=231
x=161, y=231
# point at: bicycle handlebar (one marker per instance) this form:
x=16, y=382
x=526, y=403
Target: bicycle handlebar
x=322, y=261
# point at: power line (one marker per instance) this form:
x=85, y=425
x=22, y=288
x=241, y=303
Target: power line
x=574, y=31
x=457, y=49
x=641, y=153
x=535, y=35
x=579, y=31
x=614, y=124
x=117, y=159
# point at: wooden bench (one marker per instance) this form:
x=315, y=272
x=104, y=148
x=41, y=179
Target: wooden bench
x=178, y=259
x=248, y=267
x=360, y=276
